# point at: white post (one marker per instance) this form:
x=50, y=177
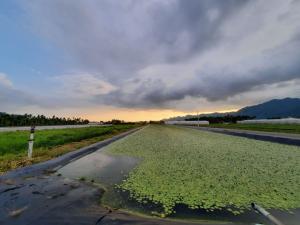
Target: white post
x=30, y=142
x=198, y=118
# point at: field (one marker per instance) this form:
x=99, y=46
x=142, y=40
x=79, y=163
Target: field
x=49, y=143
x=284, y=128
x=208, y=170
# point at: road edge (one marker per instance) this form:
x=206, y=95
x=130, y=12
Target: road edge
x=252, y=135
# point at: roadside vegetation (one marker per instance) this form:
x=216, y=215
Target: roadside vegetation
x=283, y=128
x=50, y=143
x=7, y=120
x=210, y=171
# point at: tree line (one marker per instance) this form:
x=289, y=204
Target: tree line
x=119, y=122
x=7, y=120
x=222, y=119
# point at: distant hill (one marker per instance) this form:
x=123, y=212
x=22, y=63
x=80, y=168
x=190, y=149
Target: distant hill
x=276, y=108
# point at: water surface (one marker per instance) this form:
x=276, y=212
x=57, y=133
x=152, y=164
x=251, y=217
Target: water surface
x=109, y=170
x=100, y=167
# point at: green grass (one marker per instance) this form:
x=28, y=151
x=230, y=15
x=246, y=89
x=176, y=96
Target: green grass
x=50, y=143
x=16, y=142
x=208, y=170
x=284, y=128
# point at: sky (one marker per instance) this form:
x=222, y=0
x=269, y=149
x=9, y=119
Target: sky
x=146, y=59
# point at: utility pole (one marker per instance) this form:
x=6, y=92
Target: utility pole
x=30, y=142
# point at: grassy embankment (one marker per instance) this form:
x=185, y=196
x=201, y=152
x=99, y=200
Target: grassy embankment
x=208, y=170
x=50, y=143
x=281, y=128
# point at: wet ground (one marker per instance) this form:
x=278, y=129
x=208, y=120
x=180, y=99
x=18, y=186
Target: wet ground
x=109, y=170
x=50, y=199
x=39, y=195
x=72, y=195
x=248, y=217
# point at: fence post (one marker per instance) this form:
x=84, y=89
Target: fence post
x=30, y=142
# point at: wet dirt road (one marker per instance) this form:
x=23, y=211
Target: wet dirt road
x=50, y=199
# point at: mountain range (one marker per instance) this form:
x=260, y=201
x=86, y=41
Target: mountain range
x=276, y=108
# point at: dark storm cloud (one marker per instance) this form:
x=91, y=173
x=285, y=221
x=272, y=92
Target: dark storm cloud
x=119, y=37
x=157, y=52
x=193, y=24
x=279, y=65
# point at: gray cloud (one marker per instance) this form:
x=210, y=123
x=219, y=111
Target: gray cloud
x=13, y=98
x=10, y=97
x=159, y=52
x=119, y=37
x=276, y=66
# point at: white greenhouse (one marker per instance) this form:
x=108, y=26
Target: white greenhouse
x=183, y=122
x=272, y=121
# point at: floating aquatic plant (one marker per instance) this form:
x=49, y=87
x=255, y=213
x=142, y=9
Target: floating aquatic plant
x=209, y=171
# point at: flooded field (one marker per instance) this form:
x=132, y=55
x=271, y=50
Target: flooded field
x=113, y=171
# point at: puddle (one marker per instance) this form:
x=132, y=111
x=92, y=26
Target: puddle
x=100, y=167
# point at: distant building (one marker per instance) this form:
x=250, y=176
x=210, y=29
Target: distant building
x=183, y=122
x=95, y=123
x=272, y=121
